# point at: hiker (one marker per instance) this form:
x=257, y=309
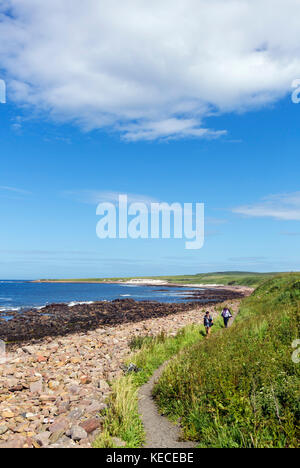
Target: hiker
x=208, y=323
x=226, y=314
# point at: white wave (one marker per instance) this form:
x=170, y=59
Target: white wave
x=74, y=303
x=5, y=298
x=125, y=295
x=130, y=285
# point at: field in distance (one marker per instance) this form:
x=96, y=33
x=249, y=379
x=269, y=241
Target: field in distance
x=229, y=278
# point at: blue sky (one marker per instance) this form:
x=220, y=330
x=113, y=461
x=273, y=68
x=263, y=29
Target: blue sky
x=238, y=153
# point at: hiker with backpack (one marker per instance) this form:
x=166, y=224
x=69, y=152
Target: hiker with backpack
x=226, y=314
x=208, y=323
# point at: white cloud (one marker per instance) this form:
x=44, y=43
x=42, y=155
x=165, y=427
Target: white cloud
x=247, y=259
x=291, y=234
x=148, y=69
x=170, y=128
x=211, y=220
x=94, y=197
x=281, y=207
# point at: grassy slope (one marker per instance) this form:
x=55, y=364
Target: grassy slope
x=227, y=278
x=241, y=387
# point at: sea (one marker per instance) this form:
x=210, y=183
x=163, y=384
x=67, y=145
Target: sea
x=23, y=295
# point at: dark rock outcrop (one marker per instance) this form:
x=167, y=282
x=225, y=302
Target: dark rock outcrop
x=61, y=320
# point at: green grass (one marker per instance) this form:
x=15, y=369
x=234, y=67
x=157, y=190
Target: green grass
x=227, y=278
x=121, y=419
x=240, y=388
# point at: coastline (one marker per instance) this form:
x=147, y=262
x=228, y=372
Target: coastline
x=159, y=291
x=63, y=319
x=153, y=282
x=55, y=388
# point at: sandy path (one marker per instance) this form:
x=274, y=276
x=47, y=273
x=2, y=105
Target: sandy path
x=160, y=432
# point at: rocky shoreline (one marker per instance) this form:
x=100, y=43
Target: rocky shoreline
x=62, y=320
x=53, y=390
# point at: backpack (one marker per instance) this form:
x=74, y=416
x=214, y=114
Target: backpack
x=226, y=313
